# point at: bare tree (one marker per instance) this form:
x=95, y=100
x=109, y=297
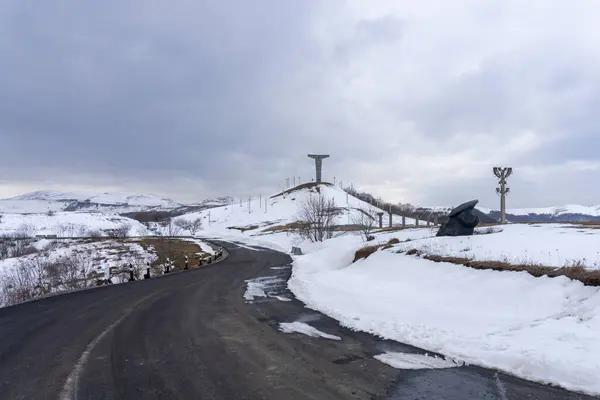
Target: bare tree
x=182, y=224
x=25, y=231
x=70, y=229
x=317, y=215
x=406, y=208
x=93, y=233
x=60, y=230
x=120, y=232
x=195, y=226
x=168, y=228
x=364, y=219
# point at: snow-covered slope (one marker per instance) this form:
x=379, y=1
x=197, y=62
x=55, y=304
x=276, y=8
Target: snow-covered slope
x=51, y=200
x=112, y=203
x=282, y=209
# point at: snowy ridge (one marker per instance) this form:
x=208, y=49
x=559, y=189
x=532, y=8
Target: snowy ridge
x=99, y=198
x=281, y=209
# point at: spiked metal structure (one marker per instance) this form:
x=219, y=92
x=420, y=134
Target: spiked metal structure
x=502, y=174
x=318, y=164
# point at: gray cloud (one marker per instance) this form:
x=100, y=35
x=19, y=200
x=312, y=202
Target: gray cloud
x=415, y=102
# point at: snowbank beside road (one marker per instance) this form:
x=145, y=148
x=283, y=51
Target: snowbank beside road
x=542, y=329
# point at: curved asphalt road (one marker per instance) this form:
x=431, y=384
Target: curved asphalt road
x=192, y=336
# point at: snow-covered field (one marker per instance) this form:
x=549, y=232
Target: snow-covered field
x=552, y=245
x=544, y=329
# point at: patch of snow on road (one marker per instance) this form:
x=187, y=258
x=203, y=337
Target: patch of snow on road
x=301, y=327
x=282, y=298
x=262, y=287
x=414, y=361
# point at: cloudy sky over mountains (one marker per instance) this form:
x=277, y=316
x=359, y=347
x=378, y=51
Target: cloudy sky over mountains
x=415, y=101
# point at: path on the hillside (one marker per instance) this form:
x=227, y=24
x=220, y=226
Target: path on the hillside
x=193, y=336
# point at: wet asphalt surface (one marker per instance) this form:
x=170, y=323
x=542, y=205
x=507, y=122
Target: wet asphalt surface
x=193, y=335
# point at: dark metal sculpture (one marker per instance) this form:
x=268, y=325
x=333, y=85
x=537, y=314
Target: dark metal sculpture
x=461, y=221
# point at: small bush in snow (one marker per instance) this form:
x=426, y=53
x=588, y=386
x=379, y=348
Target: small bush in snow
x=121, y=232
x=93, y=233
x=364, y=220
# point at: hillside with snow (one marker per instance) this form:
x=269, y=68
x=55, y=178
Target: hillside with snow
x=51, y=200
x=265, y=215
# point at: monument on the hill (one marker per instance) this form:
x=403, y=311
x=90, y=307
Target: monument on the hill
x=502, y=174
x=461, y=221
x=318, y=164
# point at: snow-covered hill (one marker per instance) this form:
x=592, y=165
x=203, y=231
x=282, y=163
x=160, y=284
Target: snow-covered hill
x=268, y=213
x=111, y=203
x=51, y=200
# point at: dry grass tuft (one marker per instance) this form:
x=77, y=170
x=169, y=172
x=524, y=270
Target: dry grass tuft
x=391, y=229
x=176, y=250
x=365, y=252
x=291, y=227
x=368, y=250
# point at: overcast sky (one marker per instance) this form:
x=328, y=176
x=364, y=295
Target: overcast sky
x=190, y=99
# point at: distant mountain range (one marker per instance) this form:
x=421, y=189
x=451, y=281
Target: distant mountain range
x=116, y=203
x=568, y=213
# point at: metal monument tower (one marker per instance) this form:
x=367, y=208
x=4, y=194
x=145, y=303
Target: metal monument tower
x=502, y=174
x=318, y=164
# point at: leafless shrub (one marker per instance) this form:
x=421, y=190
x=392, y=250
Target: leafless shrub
x=60, y=230
x=182, y=224
x=94, y=233
x=26, y=282
x=168, y=228
x=50, y=213
x=365, y=221
x=318, y=214
x=24, y=231
x=120, y=232
x=4, y=249
x=22, y=248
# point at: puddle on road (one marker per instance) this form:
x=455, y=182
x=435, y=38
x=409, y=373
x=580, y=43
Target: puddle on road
x=444, y=384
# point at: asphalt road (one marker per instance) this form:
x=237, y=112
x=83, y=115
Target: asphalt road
x=192, y=335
